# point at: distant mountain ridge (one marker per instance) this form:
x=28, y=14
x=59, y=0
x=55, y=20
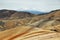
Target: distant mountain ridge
x=34, y=11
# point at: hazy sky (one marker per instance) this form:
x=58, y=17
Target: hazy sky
x=41, y=5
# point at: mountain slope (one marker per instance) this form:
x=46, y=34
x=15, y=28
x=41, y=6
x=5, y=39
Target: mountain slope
x=31, y=27
x=6, y=14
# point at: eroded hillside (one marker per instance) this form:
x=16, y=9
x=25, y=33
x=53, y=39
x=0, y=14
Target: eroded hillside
x=27, y=26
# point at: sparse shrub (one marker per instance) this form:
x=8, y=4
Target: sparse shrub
x=1, y=23
x=10, y=24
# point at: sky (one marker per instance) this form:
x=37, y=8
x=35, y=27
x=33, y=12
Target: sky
x=40, y=5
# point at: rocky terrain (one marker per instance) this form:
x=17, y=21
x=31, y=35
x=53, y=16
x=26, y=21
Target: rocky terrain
x=12, y=14
x=20, y=25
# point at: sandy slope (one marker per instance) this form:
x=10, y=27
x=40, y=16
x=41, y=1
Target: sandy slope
x=28, y=33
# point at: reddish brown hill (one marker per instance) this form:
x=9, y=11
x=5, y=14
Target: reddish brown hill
x=6, y=14
x=21, y=14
